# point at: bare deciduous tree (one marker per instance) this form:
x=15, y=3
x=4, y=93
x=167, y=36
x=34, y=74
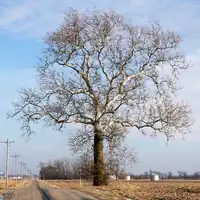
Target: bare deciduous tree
x=59, y=164
x=64, y=168
x=115, y=158
x=116, y=154
x=109, y=75
x=83, y=167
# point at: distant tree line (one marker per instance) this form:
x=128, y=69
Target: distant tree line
x=169, y=175
x=82, y=167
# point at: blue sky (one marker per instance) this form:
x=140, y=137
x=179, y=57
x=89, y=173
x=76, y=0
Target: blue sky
x=22, y=25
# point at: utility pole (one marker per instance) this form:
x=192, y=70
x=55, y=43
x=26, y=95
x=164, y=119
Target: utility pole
x=29, y=173
x=21, y=164
x=7, y=142
x=15, y=157
x=25, y=170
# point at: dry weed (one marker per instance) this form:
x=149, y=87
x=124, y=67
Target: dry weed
x=11, y=184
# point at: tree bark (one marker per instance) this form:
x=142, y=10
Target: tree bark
x=98, y=174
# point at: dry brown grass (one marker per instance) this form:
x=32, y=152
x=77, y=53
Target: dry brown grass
x=11, y=184
x=138, y=190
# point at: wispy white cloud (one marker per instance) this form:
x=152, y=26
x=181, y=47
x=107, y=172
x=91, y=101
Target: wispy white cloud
x=181, y=15
x=31, y=17
x=35, y=18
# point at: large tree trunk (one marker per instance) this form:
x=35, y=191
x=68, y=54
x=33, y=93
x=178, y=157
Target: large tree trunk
x=98, y=175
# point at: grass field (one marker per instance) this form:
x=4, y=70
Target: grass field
x=11, y=184
x=137, y=190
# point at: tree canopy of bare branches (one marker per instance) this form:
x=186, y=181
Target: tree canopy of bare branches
x=99, y=71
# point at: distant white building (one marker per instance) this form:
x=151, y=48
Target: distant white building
x=155, y=177
x=128, y=178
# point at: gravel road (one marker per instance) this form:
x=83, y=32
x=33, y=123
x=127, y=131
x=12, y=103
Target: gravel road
x=33, y=192
x=68, y=194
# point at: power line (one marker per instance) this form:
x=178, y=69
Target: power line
x=22, y=165
x=7, y=142
x=25, y=170
x=15, y=156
